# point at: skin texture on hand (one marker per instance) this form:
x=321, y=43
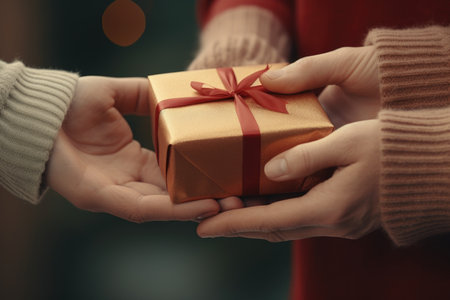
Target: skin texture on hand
x=345, y=205
x=97, y=166
x=350, y=78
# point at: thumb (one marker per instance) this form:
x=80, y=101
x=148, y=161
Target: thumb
x=311, y=72
x=131, y=95
x=306, y=159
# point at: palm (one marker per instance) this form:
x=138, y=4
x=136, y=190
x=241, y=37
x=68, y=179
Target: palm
x=103, y=140
x=107, y=169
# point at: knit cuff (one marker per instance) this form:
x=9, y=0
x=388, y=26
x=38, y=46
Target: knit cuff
x=282, y=9
x=242, y=36
x=414, y=66
x=33, y=104
x=415, y=174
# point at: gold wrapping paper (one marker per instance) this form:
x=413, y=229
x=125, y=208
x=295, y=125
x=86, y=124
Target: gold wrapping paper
x=200, y=146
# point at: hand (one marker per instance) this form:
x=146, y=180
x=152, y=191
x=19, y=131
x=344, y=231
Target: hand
x=96, y=164
x=350, y=76
x=346, y=205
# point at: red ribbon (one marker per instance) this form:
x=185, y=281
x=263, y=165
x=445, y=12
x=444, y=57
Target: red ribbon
x=250, y=129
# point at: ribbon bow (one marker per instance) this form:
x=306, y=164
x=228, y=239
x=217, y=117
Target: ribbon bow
x=250, y=129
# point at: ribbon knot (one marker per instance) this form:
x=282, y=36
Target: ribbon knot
x=251, y=148
x=238, y=90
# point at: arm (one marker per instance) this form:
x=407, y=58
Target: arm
x=391, y=171
x=71, y=132
x=243, y=32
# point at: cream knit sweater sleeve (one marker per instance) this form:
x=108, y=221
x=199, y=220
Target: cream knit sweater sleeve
x=244, y=35
x=414, y=70
x=33, y=104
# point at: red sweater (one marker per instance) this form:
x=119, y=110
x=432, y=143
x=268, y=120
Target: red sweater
x=371, y=267
x=321, y=26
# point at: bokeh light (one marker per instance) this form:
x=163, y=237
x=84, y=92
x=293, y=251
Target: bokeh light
x=123, y=22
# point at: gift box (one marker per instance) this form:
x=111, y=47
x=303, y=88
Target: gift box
x=215, y=129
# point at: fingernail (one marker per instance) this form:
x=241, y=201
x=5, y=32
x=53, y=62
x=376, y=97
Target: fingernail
x=274, y=74
x=276, y=168
x=206, y=215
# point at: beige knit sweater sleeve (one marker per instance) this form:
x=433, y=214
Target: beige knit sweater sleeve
x=33, y=104
x=245, y=35
x=414, y=70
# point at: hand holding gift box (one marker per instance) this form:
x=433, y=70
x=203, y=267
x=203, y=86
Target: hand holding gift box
x=213, y=139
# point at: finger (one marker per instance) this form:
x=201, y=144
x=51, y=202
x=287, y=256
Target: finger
x=230, y=203
x=131, y=205
x=317, y=213
x=306, y=159
x=131, y=95
x=262, y=218
x=311, y=72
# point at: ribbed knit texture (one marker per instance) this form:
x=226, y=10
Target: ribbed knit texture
x=414, y=68
x=33, y=104
x=242, y=36
x=415, y=179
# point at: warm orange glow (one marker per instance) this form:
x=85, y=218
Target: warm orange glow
x=123, y=22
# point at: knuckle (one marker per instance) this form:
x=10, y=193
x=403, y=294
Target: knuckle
x=305, y=63
x=344, y=58
x=299, y=160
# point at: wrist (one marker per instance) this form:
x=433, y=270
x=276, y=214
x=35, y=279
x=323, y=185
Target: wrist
x=413, y=66
x=240, y=36
x=31, y=115
x=414, y=181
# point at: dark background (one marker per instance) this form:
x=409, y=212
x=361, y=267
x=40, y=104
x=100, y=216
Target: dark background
x=56, y=251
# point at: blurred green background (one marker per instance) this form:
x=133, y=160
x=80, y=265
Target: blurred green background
x=56, y=251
